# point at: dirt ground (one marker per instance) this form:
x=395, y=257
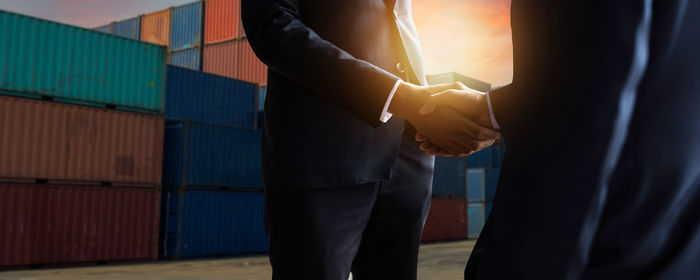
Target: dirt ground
x=439, y=261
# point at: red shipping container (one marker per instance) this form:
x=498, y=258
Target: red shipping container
x=447, y=220
x=250, y=68
x=50, y=224
x=222, y=21
x=70, y=144
x=221, y=59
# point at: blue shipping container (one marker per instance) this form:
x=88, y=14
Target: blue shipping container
x=107, y=28
x=475, y=219
x=261, y=120
x=129, y=28
x=201, y=223
x=198, y=96
x=489, y=157
x=449, y=178
x=186, y=26
x=482, y=183
x=189, y=58
x=489, y=205
x=206, y=155
x=262, y=95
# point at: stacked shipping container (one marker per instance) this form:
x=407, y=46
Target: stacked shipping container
x=210, y=142
x=227, y=52
x=79, y=183
x=463, y=188
x=212, y=168
x=186, y=35
x=203, y=35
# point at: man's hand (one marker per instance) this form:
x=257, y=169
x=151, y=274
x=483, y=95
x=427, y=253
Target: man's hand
x=453, y=132
x=469, y=102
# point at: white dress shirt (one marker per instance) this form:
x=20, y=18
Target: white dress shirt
x=409, y=36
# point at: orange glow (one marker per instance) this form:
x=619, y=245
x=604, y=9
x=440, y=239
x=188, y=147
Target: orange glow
x=471, y=37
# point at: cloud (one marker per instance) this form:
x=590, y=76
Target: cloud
x=471, y=37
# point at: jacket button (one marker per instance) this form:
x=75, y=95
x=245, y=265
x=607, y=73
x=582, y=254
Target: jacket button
x=400, y=67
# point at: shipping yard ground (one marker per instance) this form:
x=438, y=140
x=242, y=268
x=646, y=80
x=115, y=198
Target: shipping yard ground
x=443, y=261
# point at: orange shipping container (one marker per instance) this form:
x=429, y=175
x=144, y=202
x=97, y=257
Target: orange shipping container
x=155, y=27
x=222, y=21
x=250, y=68
x=58, y=142
x=221, y=59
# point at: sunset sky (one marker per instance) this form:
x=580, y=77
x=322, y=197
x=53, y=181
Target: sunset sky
x=471, y=37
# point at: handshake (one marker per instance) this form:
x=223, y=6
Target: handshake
x=451, y=119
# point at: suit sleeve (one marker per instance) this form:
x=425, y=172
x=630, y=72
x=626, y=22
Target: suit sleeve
x=290, y=48
x=577, y=67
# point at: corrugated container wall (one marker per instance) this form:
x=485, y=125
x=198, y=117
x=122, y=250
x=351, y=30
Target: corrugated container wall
x=68, y=143
x=50, y=224
x=107, y=28
x=201, y=223
x=129, y=28
x=449, y=177
x=189, y=58
x=221, y=59
x=198, y=96
x=447, y=220
x=262, y=95
x=482, y=183
x=79, y=65
x=155, y=27
x=186, y=26
x=199, y=154
x=222, y=21
x=250, y=69
x=488, y=157
x=476, y=217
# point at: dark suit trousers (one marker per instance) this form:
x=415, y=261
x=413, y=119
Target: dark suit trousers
x=372, y=229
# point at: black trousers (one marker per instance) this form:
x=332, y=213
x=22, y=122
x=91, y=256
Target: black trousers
x=373, y=229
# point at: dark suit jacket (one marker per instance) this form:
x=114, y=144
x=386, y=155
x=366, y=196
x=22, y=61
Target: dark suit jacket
x=332, y=67
x=601, y=178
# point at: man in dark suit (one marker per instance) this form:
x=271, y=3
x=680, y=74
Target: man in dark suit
x=347, y=188
x=601, y=178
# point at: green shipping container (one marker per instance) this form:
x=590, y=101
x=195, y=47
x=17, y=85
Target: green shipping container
x=45, y=59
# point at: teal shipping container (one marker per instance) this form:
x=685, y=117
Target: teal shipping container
x=44, y=59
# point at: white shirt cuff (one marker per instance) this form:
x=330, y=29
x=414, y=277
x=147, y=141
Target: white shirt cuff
x=385, y=116
x=494, y=123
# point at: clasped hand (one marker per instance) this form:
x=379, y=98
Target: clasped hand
x=451, y=119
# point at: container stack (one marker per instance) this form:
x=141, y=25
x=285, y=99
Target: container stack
x=203, y=35
x=227, y=51
x=463, y=188
x=81, y=138
x=483, y=169
x=213, y=199
x=186, y=35
x=262, y=95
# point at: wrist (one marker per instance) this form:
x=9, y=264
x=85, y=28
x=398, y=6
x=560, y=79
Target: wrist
x=408, y=100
